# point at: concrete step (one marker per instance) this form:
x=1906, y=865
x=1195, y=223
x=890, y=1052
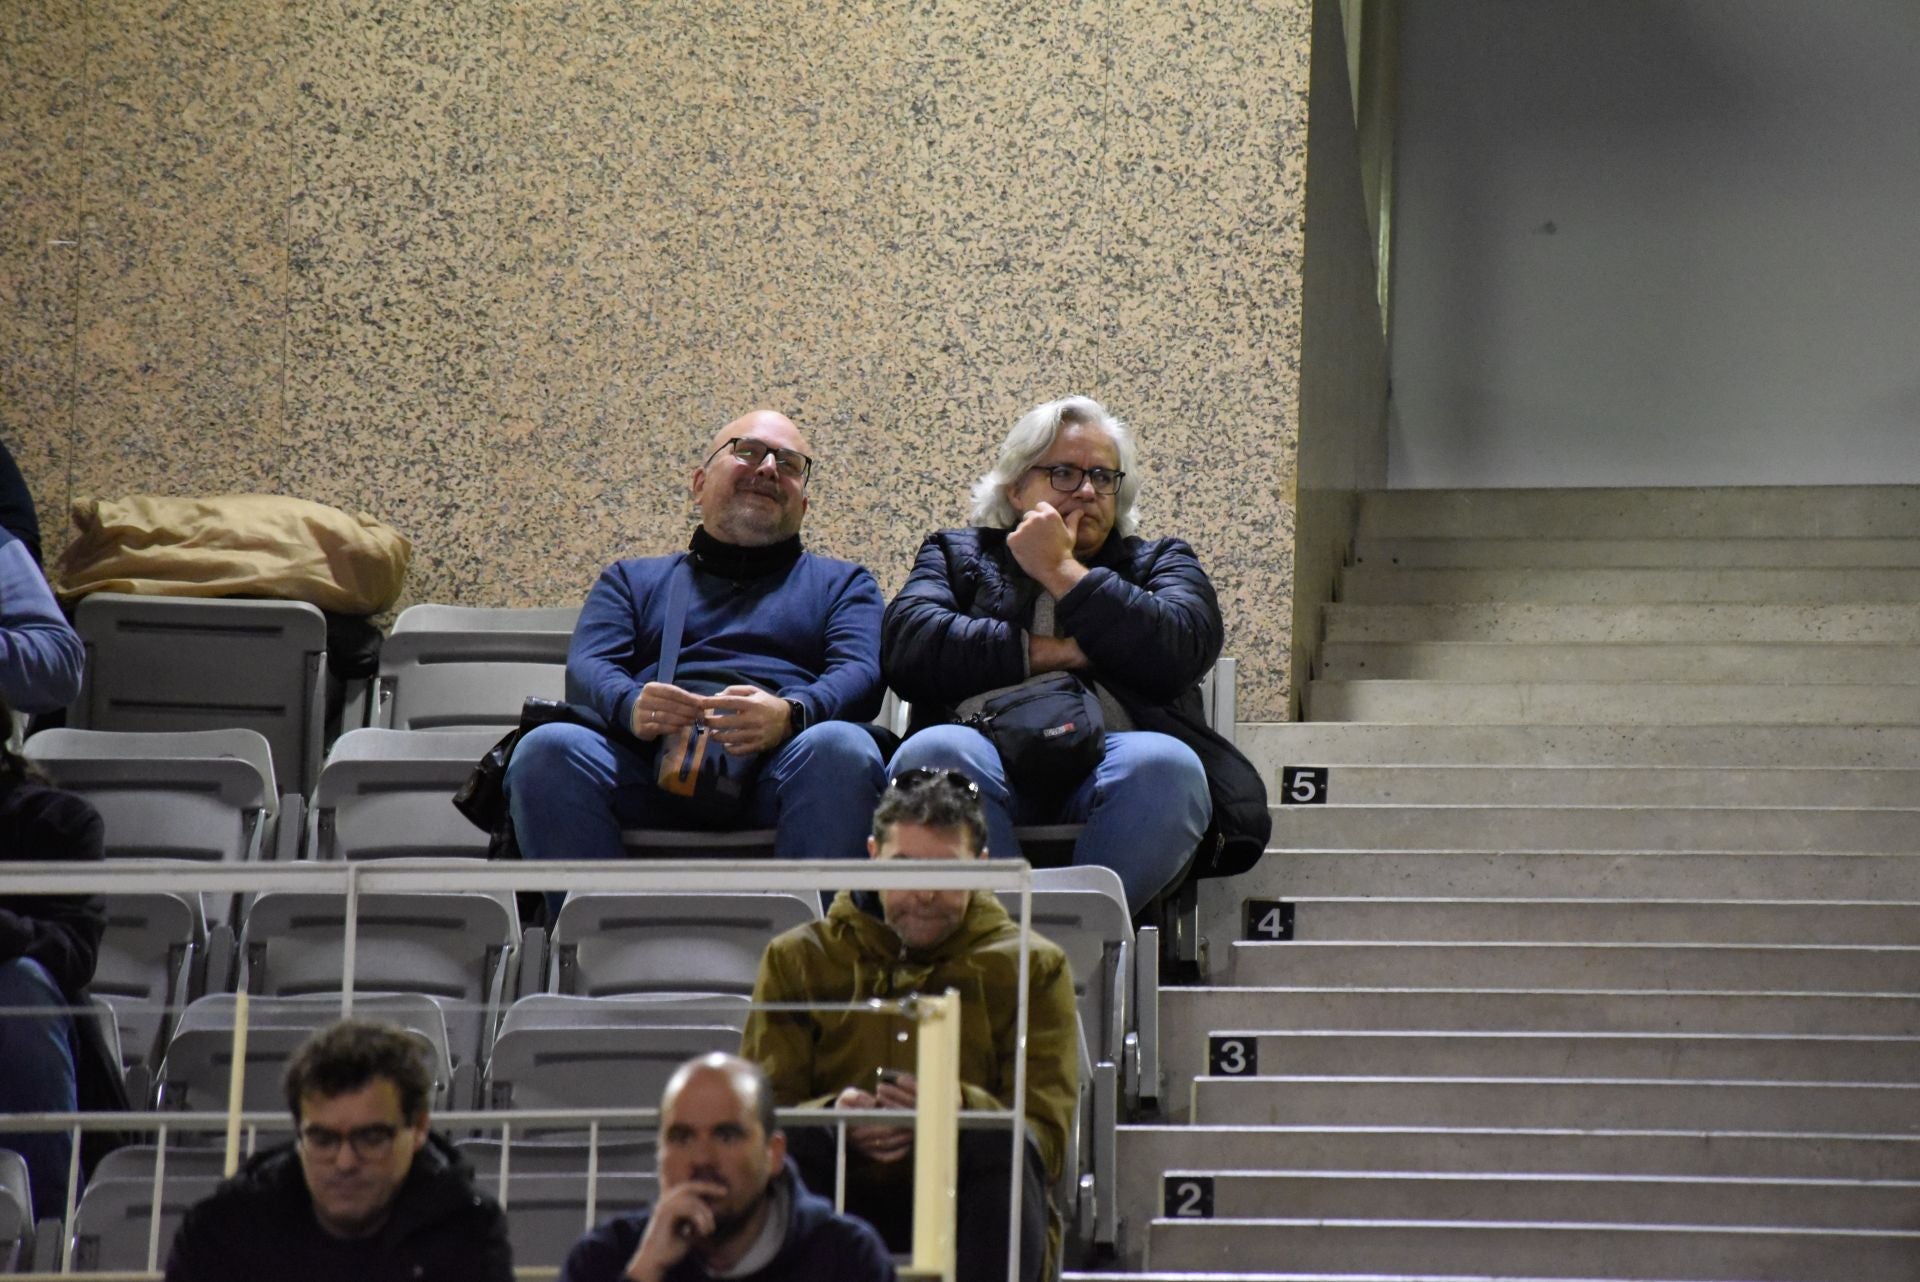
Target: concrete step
x=1668, y=1056
x=1594, y=828
x=1538, y=874
x=1708, y=553
x=1360, y=785
x=1661, y=624
x=1188, y=1016
x=1604, y=921
x=1831, y=663
x=1582, y=1103
x=1370, y=1250
x=1273, y=744
x=1393, y=585
x=1816, y=512
x=1611, y=703
x=1146, y=1153
x=1295, y=1194
x=1695, y=875
x=1750, y=968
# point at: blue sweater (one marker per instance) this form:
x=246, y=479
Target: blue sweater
x=41, y=656
x=808, y=631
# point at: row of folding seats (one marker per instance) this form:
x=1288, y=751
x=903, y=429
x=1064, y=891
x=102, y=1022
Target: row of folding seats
x=184, y=663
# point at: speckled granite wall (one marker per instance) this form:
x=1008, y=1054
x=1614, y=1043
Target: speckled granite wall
x=489, y=270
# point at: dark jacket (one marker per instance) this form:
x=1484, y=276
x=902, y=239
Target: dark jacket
x=61, y=932
x=1147, y=619
x=818, y=1245
x=260, y=1224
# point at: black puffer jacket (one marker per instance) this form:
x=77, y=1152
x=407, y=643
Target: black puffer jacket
x=260, y=1225
x=1147, y=619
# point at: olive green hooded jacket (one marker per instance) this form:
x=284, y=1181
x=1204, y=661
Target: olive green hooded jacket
x=853, y=956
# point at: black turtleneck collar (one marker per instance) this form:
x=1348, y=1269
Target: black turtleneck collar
x=732, y=561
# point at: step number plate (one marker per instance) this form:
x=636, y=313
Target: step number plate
x=1304, y=785
x=1189, y=1197
x=1269, y=921
x=1233, y=1056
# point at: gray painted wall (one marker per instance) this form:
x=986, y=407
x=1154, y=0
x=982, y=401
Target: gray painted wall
x=1657, y=242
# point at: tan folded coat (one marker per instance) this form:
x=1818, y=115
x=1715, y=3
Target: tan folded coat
x=260, y=545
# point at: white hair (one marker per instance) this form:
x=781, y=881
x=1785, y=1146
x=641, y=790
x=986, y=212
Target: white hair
x=1029, y=441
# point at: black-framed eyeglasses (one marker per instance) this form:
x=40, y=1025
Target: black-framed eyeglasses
x=1067, y=478
x=369, y=1143
x=920, y=776
x=791, y=464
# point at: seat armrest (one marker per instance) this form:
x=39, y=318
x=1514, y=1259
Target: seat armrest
x=1146, y=1011
x=48, y=1233
x=532, y=977
x=220, y=946
x=289, y=834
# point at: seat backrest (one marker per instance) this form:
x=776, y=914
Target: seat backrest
x=389, y=793
x=112, y=1226
x=599, y=1066
x=16, y=1209
x=454, y=946
x=624, y=1153
x=611, y=944
x=199, y=1059
x=184, y=1161
x=187, y=663
x=445, y=680
x=563, y=1010
x=147, y=965
x=167, y=796
x=430, y=616
x=547, y=1214
x=1084, y=910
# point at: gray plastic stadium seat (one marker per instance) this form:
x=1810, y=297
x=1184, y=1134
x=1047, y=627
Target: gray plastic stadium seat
x=151, y=963
x=16, y=1211
x=1084, y=911
x=547, y=1059
x=547, y=1214
x=624, y=1152
x=112, y=1227
x=194, y=1075
x=185, y=1162
x=613, y=944
x=183, y=663
x=205, y=795
x=458, y=948
x=386, y=793
x=447, y=667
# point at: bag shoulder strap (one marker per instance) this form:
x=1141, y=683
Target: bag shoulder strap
x=678, y=584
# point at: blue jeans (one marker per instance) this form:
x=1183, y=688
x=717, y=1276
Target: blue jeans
x=1145, y=805
x=572, y=790
x=37, y=1075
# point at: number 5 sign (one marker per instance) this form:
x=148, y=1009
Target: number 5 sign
x=1304, y=785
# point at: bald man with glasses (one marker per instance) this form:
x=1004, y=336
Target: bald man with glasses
x=777, y=666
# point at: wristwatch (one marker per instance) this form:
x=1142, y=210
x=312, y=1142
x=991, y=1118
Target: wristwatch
x=796, y=717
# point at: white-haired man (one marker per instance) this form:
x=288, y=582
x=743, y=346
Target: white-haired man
x=1051, y=576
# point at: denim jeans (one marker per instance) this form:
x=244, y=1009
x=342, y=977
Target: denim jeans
x=37, y=1075
x=572, y=790
x=1145, y=805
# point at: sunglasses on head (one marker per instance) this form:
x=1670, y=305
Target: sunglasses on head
x=920, y=776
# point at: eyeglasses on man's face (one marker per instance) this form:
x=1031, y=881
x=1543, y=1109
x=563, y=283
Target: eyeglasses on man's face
x=369, y=1143
x=1067, y=478
x=791, y=464
x=920, y=776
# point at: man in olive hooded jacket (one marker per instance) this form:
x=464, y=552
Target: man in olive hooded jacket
x=901, y=942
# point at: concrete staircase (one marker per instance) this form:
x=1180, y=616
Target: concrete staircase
x=1592, y=949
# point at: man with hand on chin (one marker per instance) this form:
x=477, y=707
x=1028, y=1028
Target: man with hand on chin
x=731, y=1204
x=1051, y=576
x=778, y=662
